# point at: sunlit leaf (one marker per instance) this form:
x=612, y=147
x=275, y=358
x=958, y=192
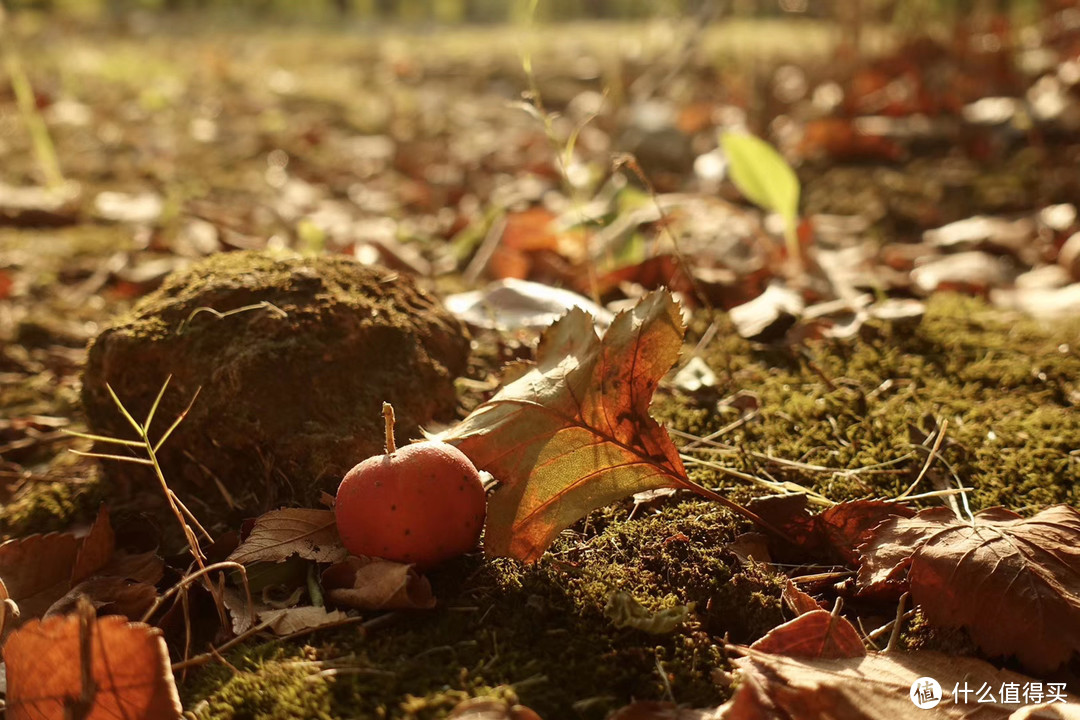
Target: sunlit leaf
x=574, y=433
x=763, y=176
x=107, y=668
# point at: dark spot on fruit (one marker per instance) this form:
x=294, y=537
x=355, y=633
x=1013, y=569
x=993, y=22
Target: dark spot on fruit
x=378, y=483
x=461, y=488
x=385, y=548
x=393, y=507
x=408, y=532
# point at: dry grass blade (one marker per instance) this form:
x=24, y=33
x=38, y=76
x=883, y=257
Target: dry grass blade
x=176, y=423
x=189, y=524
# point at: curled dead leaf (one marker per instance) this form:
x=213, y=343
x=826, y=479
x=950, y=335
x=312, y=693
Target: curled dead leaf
x=37, y=570
x=376, y=584
x=798, y=601
x=96, y=548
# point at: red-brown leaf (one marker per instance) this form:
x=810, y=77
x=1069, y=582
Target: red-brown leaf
x=816, y=634
x=574, y=433
x=128, y=669
x=837, y=531
x=96, y=548
x=876, y=686
x=1014, y=583
x=37, y=570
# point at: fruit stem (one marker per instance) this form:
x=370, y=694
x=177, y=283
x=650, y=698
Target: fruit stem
x=388, y=416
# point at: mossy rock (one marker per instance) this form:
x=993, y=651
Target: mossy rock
x=294, y=363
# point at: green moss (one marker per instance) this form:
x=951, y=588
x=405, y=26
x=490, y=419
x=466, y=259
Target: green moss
x=63, y=496
x=277, y=689
x=540, y=633
x=1006, y=385
x=919, y=634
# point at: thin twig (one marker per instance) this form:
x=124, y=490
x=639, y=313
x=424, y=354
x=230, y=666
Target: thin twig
x=188, y=579
x=894, y=638
x=940, y=438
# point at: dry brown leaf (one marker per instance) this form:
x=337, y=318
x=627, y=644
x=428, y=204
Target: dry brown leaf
x=751, y=547
x=574, y=433
x=376, y=584
x=279, y=534
x=96, y=548
x=835, y=532
x=37, y=570
x=815, y=634
x=122, y=668
x=491, y=709
x=798, y=601
x=654, y=710
x=146, y=567
x=1012, y=582
x=108, y=595
x=875, y=687
x=287, y=621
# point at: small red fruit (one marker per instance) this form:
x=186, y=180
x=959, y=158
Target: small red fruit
x=422, y=504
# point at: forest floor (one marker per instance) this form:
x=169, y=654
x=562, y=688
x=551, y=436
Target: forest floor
x=919, y=194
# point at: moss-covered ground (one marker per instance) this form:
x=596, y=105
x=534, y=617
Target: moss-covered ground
x=1006, y=386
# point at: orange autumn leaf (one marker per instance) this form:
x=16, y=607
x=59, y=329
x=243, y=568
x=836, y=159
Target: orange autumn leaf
x=574, y=433
x=530, y=230
x=106, y=668
x=814, y=634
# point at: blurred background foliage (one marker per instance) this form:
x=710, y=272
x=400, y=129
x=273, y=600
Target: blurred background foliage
x=438, y=12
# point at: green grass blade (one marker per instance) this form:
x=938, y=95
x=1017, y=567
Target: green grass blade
x=124, y=410
x=154, y=407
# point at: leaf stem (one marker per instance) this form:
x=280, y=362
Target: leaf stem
x=737, y=508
